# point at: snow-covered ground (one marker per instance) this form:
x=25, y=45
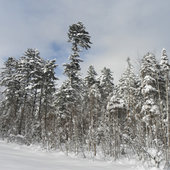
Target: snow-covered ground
x=17, y=157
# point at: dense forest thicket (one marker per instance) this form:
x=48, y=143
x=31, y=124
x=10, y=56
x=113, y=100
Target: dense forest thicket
x=91, y=114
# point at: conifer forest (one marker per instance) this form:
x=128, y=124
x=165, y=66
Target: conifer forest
x=88, y=115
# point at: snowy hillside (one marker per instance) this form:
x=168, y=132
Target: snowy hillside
x=16, y=157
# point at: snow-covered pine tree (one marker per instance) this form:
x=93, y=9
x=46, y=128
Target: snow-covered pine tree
x=93, y=109
x=90, y=79
x=11, y=100
x=106, y=86
x=30, y=76
x=150, y=109
x=80, y=39
x=127, y=88
x=64, y=117
x=128, y=92
x=48, y=107
x=165, y=95
x=114, y=118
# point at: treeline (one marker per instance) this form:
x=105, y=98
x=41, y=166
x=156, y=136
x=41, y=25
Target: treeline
x=91, y=114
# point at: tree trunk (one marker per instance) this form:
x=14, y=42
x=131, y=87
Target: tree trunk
x=40, y=114
x=22, y=116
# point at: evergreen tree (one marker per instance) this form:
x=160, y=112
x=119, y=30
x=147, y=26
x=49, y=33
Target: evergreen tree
x=10, y=103
x=106, y=86
x=90, y=79
x=150, y=110
x=48, y=107
x=106, y=82
x=127, y=88
x=93, y=109
x=30, y=76
x=80, y=39
x=114, y=118
x=164, y=93
x=64, y=117
x=29, y=83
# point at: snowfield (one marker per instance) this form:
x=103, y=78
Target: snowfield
x=17, y=157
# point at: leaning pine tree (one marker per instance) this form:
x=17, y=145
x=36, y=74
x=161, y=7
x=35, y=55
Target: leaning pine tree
x=80, y=39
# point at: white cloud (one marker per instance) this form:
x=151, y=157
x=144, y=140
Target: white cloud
x=118, y=28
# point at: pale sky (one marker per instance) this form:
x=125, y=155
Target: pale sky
x=118, y=29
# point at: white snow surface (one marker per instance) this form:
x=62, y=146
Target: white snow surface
x=17, y=157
